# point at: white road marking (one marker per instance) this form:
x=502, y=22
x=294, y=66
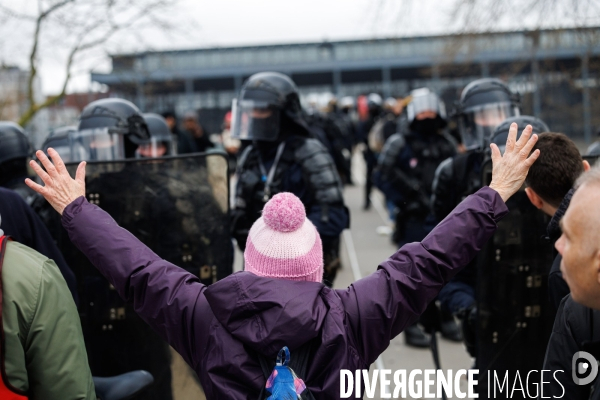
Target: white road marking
x=349, y=242
x=377, y=201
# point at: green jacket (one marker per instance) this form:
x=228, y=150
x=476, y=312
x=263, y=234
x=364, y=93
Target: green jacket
x=45, y=352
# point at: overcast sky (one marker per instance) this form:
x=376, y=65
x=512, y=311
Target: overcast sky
x=207, y=23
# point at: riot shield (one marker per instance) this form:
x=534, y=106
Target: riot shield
x=177, y=206
x=514, y=317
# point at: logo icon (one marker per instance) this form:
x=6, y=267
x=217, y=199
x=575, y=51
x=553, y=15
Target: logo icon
x=584, y=367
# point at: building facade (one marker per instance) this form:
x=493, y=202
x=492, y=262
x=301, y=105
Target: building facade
x=557, y=72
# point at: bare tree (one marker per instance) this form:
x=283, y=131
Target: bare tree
x=481, y=16
x=71, y=31
x=474, y=16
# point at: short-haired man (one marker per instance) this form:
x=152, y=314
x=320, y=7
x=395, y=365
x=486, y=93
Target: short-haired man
x=550, y=181
x=577, y=327
x=579, y=243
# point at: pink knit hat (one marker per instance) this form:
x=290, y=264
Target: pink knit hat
x=283, y=243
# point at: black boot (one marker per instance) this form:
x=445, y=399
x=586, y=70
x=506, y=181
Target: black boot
x=415, y=337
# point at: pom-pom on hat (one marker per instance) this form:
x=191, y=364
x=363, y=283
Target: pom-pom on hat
x=283, y=243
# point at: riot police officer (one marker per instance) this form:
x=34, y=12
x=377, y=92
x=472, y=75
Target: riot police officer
x=118, y=341
x=321, y=120
x=457, y=178
x=343, y=116
x=405, y=173
x=408, y=161
x=109, y=129
x=375, y=109
x=14, y=152
x=484, y=104
x=19, y=219
x=281, y=156
x=345, y=119
x=161, y=141
x=339, y=112
x=58, y=139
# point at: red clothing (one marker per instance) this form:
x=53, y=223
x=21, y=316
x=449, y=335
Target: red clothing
x=7, y=391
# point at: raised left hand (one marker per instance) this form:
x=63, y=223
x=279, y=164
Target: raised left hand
x=510, y=170
x=59, y=188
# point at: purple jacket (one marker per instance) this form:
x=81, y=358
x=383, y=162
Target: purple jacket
x=217, y=328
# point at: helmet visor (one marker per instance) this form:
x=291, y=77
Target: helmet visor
x=254, y=120
x=156, y=147
x=477, y=123
x=96, y=144
x=424, y=103
x=61, y=146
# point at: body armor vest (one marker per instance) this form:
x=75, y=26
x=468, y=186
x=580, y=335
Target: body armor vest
x=307, y=157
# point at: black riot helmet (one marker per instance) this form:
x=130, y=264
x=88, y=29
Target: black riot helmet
x=109, y=129
x=161, y=141
x=14, y=151
x=13, y=142
x=59, y=140
x=500, y=134
x=483, y=105
x=265, y=101
x=423, y=102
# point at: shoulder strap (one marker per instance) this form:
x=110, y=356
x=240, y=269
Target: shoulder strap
x=244, y=157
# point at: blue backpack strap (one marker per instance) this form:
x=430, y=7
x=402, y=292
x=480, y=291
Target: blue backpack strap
x=296, y=361
x=283, y=358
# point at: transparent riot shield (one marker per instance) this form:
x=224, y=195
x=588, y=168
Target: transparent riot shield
x=179, y=207
x=514, y=316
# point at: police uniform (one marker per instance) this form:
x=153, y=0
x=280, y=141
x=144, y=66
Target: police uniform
x=280, y=156
x=407, y=165
x=303, y=168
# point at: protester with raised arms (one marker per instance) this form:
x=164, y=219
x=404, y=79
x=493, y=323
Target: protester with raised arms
x=225, y=331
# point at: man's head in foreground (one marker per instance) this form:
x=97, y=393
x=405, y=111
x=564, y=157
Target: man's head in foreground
x=579, y=244
x=555, y=171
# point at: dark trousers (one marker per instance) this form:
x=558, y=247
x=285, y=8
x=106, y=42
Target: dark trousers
x=371, y=162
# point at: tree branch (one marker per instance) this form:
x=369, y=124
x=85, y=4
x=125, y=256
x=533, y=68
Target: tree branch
x=101, y=29
x=33, y=55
